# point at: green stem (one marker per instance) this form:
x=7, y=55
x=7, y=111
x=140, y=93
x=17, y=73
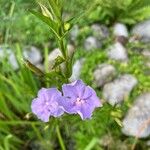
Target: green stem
x=62, y=145
x=63, y=48
x=64, y=51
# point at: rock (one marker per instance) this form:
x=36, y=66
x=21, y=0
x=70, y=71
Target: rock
x=13, y=61
x=71, y=50
x=134, y=39
x=100, y=31
x=146, y=53
x=92, y=43
x=142, y=30
x=6, y=52
x=106, y=140
x=74, y=33
x=120, y=30
x=52, y=56
x=117, y=52
x=104, y=73
x=35, y=145
x=148, y=64
x=76, y=71
x=56, y=52
x=33, y=54
x=40, y=66
x=121, y=39
x=148, y=143
x=137, y=121
x=116, y=91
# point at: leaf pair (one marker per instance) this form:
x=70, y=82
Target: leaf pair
x=50, y=16
x=53, y=18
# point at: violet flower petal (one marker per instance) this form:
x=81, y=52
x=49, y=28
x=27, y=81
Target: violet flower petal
x=82, y=99
x=47, y=104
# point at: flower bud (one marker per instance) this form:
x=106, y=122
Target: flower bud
x=67, y=26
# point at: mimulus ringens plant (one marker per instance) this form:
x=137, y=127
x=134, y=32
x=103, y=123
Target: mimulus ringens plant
x=77, y=99
x=74, y=98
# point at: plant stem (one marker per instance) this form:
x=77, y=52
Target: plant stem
x=62, y=145
x=63, y=48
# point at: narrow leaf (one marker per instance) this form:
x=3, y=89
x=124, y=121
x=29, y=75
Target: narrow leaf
x=55, y=9
x=53, y=26
x=33, y=68
x=45, y=11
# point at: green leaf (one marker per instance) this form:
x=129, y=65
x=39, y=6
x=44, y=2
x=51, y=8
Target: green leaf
x=53, y=25
x=46, y=12
x=75, y=19
x=55, y=9
x=33, y=68
x=92, y=143
x=55, y=78
x=6, y=142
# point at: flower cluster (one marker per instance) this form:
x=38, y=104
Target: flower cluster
x=76, y=98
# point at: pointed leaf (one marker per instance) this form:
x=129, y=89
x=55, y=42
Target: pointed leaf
x=75, y=19
x=45, y=11
x=33, y=68
x=55, y=9
x=53, y=26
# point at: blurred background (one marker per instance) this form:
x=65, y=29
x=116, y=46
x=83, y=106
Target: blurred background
x=112, y=55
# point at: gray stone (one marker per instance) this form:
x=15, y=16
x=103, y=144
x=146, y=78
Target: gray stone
x=52, y=56
x=40, y=66
x=117, y=52
x=100, y=31
x=92, y=43
x=74, y=33
x=120, y=30
x=134, y=39
x=33, y=54
x=142, y=30
x=137, y=121
x=104, y=73
x=148, y=64
x=71, y=50
x=6, y=52
x=116, y=91
x=146, y=53
x=76, y=71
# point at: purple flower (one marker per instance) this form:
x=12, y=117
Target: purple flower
x=79, y=99
x=47, y=104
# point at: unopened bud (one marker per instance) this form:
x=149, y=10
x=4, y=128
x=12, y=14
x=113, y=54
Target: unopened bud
x=45, y=11
x=67, y=26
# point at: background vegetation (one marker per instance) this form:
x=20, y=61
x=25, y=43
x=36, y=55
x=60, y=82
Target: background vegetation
x=18, y=127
